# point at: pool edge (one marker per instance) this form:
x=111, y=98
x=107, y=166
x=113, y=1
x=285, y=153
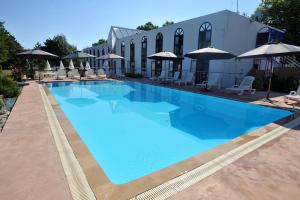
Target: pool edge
x=104, y=189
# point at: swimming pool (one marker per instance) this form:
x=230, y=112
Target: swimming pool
x=133, y=129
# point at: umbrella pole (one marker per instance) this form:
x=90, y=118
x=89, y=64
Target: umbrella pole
x=270, y=79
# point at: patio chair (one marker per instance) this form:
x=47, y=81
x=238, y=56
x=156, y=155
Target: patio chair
x=174, y=78
x=213, y=82
x=90, y=74
x=160, y=77
x=189, y=78
x=61, y=74
x=245, y=86
x=101, y=74
x=74, y=74
x=294, y=95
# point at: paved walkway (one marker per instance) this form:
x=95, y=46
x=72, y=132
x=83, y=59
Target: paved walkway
x=30, y=166
x=269, y=173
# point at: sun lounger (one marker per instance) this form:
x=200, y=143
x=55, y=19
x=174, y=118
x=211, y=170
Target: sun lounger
x=101, y=74
x=245, y=86
x=189, y=78
x=90, y=74
x=61, y=74
x=174, y=78
x=213, y=82
x=160, y=77
x=294, y=95
x=74, y=74
x=119, y=73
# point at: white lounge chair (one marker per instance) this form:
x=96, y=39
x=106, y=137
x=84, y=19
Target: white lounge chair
x=213, y=82
x=189, y=78
x=101, y=74
x=174, y=78
x=74, y=74
x=160, y=77
x=61, y=74
x=294, y=95
x=90, y=74
x=245, y=86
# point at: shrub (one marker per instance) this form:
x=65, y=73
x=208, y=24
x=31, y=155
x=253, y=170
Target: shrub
x=8, y=87
x=284, y=84
x=258, y=83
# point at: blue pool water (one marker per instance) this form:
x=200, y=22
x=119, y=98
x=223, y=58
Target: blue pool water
x=134, y=129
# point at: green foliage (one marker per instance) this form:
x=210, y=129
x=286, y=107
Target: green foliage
x=100, y=41
x=8, y=87
x=258, y=83
x=167, y=23
x=284, y=84
x=282, y=14
x=147, y=27
x=9, y=47
x=57, y=45
x=133, y=75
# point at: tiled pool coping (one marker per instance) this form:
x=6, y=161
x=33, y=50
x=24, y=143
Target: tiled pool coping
x=104, y=189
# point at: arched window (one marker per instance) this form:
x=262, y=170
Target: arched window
x=94, y=60
x=178, y=50
x=123, y=55
x=205, y=35
x=158, y=48
x=202, y=66
x=132, y=56
x=144, y=56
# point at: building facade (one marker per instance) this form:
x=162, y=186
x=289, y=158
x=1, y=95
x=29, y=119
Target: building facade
x=224, y=30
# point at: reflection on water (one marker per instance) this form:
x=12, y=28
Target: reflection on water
x=134, y=129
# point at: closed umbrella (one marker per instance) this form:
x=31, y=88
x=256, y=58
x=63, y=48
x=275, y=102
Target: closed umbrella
x=81, y=67
x=87, y=65
x=48, y=67
x=71, y=65
x=210, y=53
x=270, y=51
x=61, y=65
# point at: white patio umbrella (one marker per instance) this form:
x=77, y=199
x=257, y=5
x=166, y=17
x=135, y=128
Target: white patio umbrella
x=48, y=67
x=270, y=51
x=61, y=65
x=87, y=65
x=81, y=66
x=210, y=53
x=71, y=65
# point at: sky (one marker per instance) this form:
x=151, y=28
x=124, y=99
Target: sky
x=84, y=22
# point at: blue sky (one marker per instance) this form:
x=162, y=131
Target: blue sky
x=85, y=21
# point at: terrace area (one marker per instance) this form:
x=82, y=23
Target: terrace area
x=32, y=167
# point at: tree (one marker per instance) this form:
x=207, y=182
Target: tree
x=9, y=47
x=167, y=23
x=100, y=41
x=282, y=14
x=58, y=45
x=147, y=27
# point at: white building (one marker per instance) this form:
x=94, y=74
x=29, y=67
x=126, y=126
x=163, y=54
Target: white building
x=224, y=30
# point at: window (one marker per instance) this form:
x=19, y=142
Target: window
x=178, y=51
x=98, y=61
x=94, y=60
x=144, y=56
x=103, y=53
x=132, y=57
x=123, y=55
x=205, y=35
x=202, y=66
x=158, y=48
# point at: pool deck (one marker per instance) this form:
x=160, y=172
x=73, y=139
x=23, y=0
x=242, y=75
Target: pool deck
x=32, y=167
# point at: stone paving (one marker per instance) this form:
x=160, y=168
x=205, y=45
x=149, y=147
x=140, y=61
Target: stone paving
x=30, y=167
